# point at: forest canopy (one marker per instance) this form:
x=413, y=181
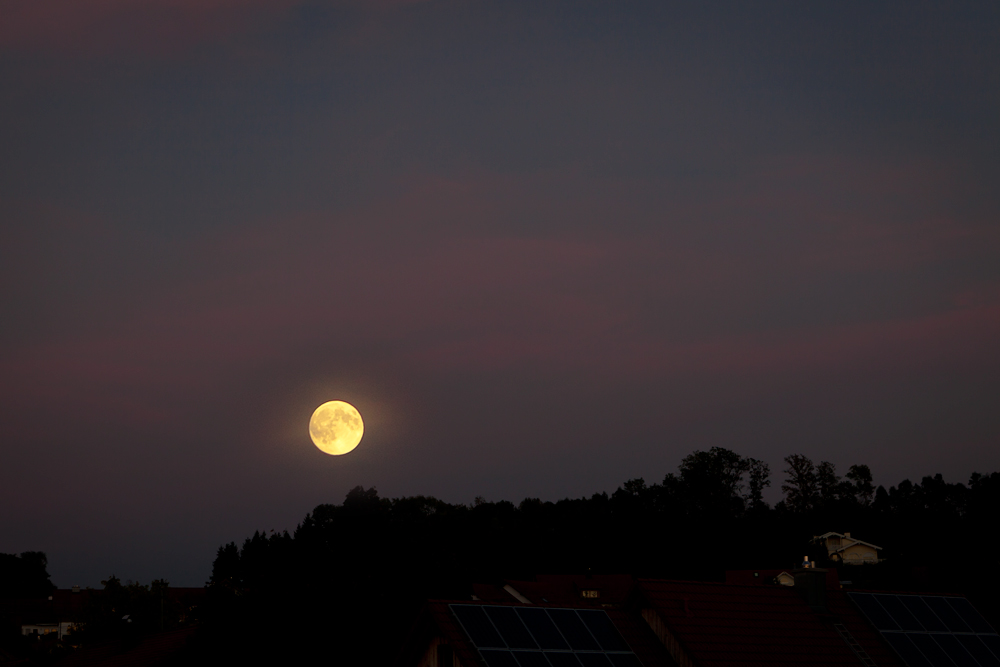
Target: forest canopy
x=380, y=558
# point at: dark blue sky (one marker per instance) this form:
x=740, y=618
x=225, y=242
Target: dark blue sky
x=544, y=247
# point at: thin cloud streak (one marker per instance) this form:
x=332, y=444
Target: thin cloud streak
x=446, y=300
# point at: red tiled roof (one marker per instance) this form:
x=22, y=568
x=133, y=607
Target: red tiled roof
x=560, y=589
x=720, y=625
x=614, y=588
x=766, y=577
x=490, y=594
x=443, y=624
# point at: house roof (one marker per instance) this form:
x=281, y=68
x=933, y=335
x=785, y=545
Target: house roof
x=490, y=594
x=767, y=577
x=437, y=621
x=721, y=625
x=855, y=543
x=566, y=590
x=853, y=540
x=826, y=535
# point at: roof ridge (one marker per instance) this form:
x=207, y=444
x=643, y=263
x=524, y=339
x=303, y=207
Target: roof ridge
x=710, y=583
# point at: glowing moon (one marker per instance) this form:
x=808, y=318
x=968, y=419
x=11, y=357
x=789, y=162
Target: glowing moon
x=336, y=427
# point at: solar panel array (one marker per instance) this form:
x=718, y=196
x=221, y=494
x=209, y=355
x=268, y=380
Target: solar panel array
x=932, y=630
x=542, y=637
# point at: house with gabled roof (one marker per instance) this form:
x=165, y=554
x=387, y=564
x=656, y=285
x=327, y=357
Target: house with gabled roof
x=464, y=633
x=842, y=548
x=708, y=624
x=749, y=621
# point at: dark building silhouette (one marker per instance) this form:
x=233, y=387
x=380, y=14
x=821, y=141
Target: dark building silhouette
x=752, y=619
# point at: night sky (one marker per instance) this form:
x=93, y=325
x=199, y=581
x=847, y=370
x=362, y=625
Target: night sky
x=544, y=247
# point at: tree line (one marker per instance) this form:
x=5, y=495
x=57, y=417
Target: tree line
x=361, y=569
x=349, y=580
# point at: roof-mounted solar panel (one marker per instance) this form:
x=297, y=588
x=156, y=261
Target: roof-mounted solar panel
x=480, y=629
x=876, y=614
x=542, y=628
x=563, y=659
x=969, y=614
x=978, y=650
x=954, y=650
x=910, y=654
x=508, y=636
x=932, y=630
x=573, y=629
x=531, y=659
x=992, y=643
x=511, y=628
x=946, y=613
x=923, y=613
x=603, y=630
x=900, y=613
x=494, y=658
x=624, y=660
x=931, y=650
x=594, y=660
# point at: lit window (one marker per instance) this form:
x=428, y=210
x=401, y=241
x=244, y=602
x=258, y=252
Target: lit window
x=590, y=594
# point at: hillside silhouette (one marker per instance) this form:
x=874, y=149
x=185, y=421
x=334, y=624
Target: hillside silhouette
x=349, y=581
x=353, y=576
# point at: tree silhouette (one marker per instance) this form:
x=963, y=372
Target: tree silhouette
x=861, y=487
x=801, y=484
x=360, y=570
x=24, y=576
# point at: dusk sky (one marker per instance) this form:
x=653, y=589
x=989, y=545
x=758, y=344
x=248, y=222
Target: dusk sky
x=544, y=247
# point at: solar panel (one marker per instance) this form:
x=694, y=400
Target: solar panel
x=603, y=629
x=969, y=614
x=624, y=660
x=910, y=654
x=955, y=650
x=923, y=613
x=573, y=629
x=930, y=649
x=479, y=628
x=563, y=659
x=947, y=614
x=594, y=660
x=544, y=637
x=531, y=659
x=510, y=626
x=874, y=611
x=542, y=628
x=975, y=646
x=498, y=658
x=992, y=642
x=932, y=630
x=899, y=613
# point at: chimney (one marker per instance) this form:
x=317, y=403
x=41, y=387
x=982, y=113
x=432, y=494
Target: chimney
x=810, y=583
x=847, y=534
x=76, y=589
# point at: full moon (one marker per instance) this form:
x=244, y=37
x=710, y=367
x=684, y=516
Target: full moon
x=336, y=427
